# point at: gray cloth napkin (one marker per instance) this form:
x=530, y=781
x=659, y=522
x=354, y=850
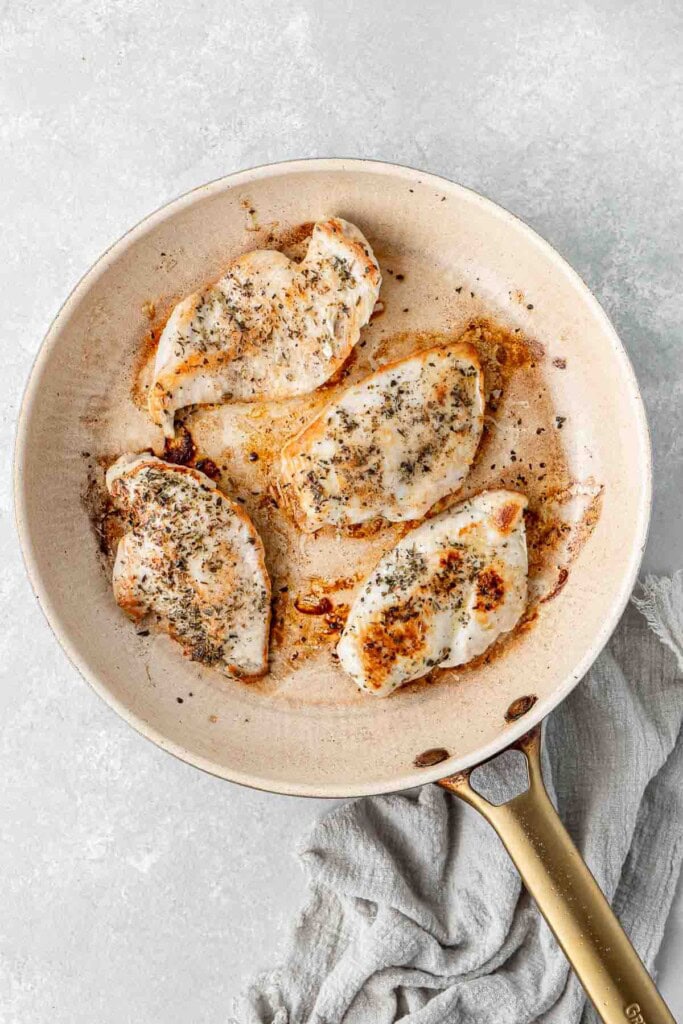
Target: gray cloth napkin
x=415, y=911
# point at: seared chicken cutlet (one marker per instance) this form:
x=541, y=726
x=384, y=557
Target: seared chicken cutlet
x=442, y=596
x=392, y=445
x=193, y=558
x=269, y=328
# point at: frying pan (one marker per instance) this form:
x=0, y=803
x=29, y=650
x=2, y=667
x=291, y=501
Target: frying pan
x=449, y=256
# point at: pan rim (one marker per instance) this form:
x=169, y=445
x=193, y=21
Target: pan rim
x=418, y=776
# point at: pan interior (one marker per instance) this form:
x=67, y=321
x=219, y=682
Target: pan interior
x=567, y=428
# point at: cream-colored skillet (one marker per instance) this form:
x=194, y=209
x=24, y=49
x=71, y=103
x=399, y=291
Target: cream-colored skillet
x=450, y=258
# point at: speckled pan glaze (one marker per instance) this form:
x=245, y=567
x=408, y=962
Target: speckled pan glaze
x=308, y=732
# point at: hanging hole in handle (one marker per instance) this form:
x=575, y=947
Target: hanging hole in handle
x=499, y=781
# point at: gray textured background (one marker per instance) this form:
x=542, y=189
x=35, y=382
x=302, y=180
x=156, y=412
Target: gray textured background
x=133, y=888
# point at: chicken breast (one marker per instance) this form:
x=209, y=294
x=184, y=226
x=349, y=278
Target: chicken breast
x=193, y=558
x=392, y=445
x=269, y=328
x=442, y=596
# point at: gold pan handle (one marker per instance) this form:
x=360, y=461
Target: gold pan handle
x=568, y=896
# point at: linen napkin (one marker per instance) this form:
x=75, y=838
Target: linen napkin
x=414, y=910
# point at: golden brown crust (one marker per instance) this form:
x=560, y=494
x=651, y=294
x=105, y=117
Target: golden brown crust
x=197, y=627
x=305, y=439
x=490, y=590
x=208, y=485
x=334, y=226
x=507, y=516
x=383, y=643
x=277, y=332
x=441, y=596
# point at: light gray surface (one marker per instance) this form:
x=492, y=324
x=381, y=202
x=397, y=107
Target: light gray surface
x=132, y=887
